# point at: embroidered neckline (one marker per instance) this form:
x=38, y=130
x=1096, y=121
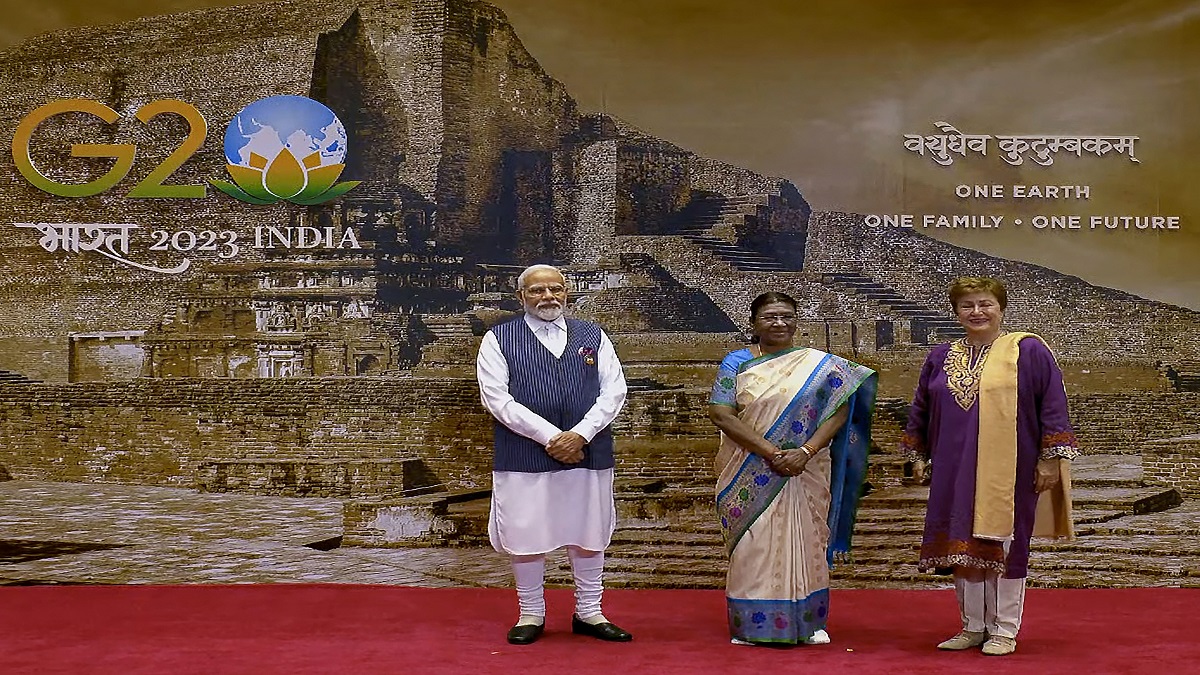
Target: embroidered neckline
x=963, y=366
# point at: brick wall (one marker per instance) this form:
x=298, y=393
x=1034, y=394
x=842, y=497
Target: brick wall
x=710, y=175
x=828, y=314
x=586, y=200
x=1174, y=462
x=1121, y=423
x=159, y=431
x=651, y=300
x=495, y=98
x=156, y=431
x=652, y=185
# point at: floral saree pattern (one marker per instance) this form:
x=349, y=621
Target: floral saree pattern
x=782, y=533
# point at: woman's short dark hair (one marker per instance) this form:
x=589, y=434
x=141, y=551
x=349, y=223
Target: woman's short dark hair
x=766, y=299
x=968, y=285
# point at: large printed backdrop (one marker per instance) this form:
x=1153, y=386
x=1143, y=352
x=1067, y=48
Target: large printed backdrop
x=678, y=157
x=822, y=93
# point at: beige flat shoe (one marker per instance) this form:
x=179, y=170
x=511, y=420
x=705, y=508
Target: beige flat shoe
x=998, y=645
x=964, y=640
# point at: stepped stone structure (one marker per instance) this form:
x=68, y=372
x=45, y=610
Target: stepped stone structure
x=474, y=162
x=346, y=370
x=1184, y=375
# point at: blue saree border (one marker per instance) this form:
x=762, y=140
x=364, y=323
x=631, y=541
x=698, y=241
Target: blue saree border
x=778, y=621
x=774, y=433
x=746, y=498
x=755, y=485
x=758, y=360
x=849, y=451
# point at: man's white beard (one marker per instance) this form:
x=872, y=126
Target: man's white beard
x=547, y=312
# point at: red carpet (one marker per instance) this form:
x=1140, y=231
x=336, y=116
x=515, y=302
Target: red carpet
x=381, y=629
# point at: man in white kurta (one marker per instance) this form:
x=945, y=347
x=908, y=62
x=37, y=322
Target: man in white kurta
x=554, y=386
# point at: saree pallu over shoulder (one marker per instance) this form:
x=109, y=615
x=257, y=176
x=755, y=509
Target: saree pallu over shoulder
x=786, y=396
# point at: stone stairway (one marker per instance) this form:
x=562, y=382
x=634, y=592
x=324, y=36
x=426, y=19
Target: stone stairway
x=637, y=384
x=712, y=222
x=1128, y=534
x=655, y=301
x=9, y=377
x=1184, y=375
x=343, y=478
x=929, y=324
x=448, y=325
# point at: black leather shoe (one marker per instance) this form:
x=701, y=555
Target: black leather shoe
x=604, y=631
x=526, y=634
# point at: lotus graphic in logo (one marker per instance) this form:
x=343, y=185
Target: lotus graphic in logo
x=285, y=148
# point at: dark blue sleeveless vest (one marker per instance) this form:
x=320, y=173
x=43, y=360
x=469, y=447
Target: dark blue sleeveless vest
x=561, y=390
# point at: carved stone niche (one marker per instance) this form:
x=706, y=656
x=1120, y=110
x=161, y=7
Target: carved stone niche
x=275, y=361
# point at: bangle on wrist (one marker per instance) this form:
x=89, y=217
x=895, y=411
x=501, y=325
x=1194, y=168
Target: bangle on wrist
x=808, y=450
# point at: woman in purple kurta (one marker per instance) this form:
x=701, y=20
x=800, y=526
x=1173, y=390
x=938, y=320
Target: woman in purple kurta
x=944, y=429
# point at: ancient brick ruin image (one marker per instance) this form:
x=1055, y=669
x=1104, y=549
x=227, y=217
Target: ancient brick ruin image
x=329, y=368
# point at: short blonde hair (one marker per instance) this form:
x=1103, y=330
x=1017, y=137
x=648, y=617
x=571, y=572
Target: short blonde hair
x=967, y=285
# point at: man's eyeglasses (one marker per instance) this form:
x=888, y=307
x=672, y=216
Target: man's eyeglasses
x=556, y=289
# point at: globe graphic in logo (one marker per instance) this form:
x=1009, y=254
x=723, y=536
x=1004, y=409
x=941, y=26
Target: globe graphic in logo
x=285, y=148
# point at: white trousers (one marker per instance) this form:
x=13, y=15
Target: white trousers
x=988, y=602
x=586, y=566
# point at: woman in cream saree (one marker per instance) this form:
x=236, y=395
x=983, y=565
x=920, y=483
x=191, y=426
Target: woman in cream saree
x=795, y=428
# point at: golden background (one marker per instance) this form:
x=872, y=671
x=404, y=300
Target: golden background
x=822, y=93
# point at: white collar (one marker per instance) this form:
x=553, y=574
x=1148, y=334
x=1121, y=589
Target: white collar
x=535, y=324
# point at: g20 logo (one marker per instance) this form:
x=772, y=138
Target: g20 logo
x=285, y=147
x=282, y=148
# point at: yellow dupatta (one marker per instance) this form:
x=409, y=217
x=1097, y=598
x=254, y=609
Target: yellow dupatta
x=996, y=468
